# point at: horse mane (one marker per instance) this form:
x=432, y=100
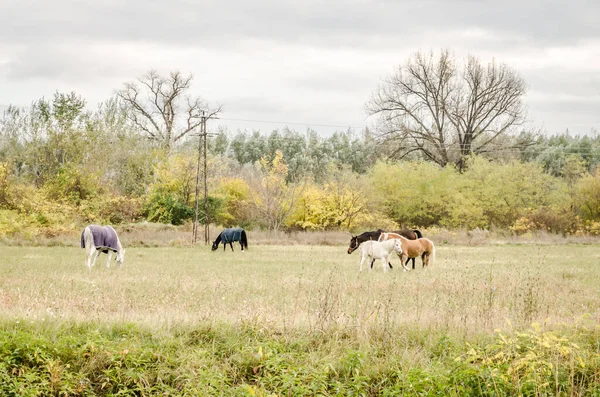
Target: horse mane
x=218, y=239
x=418, y=233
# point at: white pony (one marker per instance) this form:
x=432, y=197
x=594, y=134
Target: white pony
x=378, y=250
x=98, y=239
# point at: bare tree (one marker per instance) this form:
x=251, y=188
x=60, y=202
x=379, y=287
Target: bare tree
x=431, y=106
x=159, y=106
x=273, y=199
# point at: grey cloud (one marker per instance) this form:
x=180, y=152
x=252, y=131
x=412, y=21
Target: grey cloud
x=552, y=80
x=340, y=81
x=332, y=23
x=50, y=38
x=252, y=105
x=56, y=62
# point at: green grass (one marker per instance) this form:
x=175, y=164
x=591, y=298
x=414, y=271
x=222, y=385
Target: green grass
x=300, y=320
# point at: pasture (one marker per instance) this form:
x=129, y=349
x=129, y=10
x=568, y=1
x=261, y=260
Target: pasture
x=367, y=332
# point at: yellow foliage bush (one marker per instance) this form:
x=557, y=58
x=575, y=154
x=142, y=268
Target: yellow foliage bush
x=235, y=193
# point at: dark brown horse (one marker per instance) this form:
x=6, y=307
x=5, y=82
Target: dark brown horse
x=355, y=241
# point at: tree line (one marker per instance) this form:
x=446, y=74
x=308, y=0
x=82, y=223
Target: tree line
x=448, y=151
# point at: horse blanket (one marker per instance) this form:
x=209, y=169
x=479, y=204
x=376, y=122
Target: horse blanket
x=231, y=235
x=105, y=238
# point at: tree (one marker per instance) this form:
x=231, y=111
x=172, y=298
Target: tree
x=161, y=108
x=220, y=143
x=336, y=204
x=431, y=106
x=50, y=134
x=169, y=199
x=588, y=196
x=272, y=198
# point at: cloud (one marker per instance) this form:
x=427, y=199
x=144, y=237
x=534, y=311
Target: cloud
x=303, y=61
x=331, y=23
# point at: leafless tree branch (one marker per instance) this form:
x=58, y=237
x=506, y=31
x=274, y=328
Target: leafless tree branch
x=431, y=103
x=158, y=106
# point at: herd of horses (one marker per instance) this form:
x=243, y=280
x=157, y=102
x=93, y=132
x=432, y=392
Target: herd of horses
x=378, y=244
x=407, y=244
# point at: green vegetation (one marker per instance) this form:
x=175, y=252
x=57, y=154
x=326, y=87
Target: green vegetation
x=125, y=360
x=63, y=166
x=300, y=320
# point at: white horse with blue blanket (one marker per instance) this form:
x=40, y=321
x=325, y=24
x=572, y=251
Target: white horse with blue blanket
x=96, y=239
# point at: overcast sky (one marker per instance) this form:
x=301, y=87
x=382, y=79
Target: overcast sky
x=315, y=63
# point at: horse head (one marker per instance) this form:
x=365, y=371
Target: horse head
x=120, y=257
x=398, y=245
x=215, y=245
x=353, y=244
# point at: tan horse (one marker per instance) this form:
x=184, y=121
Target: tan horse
x=394, y=235
x=422, y=247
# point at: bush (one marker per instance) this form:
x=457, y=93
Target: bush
x=72, y=185
x=165, y=207
x=488, y=194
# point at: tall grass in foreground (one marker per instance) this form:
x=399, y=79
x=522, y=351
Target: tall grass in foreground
x=126, y=360
x=300, y=320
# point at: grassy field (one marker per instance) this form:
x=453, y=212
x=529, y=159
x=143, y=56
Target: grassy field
x=301, y=320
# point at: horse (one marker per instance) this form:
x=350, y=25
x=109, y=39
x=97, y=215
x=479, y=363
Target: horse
x=228, y=236
x=101, y=239
x=356, y=241
x=377, y=250
x=392, y=235
x=422, y=247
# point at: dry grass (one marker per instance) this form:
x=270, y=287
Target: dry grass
x=159, y=235
x=469, y=290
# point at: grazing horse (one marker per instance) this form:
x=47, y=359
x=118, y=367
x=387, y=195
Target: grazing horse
x=377, y=250
x=98, y=239
x=422, y=247
x=228, y=236
x=356, y=241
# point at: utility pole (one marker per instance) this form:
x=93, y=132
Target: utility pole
x=206, y=218
x=195, y=227
x=202, y=154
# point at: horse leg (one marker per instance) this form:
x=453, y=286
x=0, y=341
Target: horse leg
x=96, y=255
x=231, y=245
x=384, y=263
x=242, y=245
x=362, y=260
x=413, y=262
x=423, y=259
x=404, y=260
x=372, y=262
x=108, y=258
x=89, y=257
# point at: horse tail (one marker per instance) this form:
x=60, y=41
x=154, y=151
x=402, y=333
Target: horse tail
x=85, y=235
x=244, y=239
x=418, y=233
x=432, y=253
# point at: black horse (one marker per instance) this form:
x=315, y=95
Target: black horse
x=228, y=236
x=355, y=241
